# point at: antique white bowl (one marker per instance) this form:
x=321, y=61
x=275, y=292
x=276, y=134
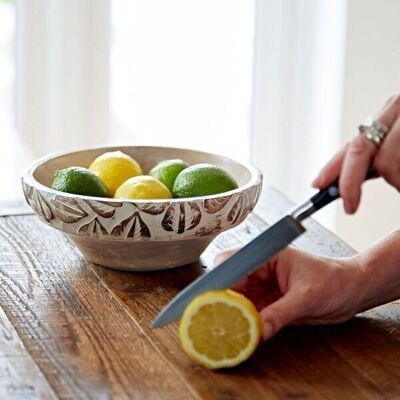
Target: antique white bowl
x=140, y=235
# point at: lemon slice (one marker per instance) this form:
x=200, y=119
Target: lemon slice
x=220, y=329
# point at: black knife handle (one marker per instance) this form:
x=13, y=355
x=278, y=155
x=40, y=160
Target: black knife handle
x=331, y=193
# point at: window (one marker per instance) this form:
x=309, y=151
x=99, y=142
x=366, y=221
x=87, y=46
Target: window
x=181, y=73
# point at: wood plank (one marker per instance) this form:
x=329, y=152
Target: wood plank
x=79, y=336
x=14, y=207
x=16, y=365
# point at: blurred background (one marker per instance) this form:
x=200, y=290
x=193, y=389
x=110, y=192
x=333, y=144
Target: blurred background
x=281, y=83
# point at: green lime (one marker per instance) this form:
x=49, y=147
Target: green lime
x=167, y=171
x=78, y=180
x=202, y=180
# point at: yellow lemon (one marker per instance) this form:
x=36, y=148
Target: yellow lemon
x=142, y=187
x=220, y=329
x=114, y=168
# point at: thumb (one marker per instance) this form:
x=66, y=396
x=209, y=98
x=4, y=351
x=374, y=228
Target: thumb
x=280, y=314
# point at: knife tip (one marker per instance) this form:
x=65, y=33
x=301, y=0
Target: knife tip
x=157, y=323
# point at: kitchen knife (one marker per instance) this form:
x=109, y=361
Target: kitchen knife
x=251, y=256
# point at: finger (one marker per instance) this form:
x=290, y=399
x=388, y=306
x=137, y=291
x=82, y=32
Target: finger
x=387, y=161
x=390, y=111
x=330, y=171
x=333, y=168
x=358, y=159
x=359, y=156
x=224, y=255
x=255, y=280
x=356, y=162
x=283, y=312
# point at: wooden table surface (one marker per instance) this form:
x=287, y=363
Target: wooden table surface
x=73, y=330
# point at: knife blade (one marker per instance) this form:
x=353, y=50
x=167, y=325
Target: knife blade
x=251, y=256
x=245, y=261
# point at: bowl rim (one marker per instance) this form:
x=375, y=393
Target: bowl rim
x=28, y=178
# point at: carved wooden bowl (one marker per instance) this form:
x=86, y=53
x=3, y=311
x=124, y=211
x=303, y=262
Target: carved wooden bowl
x=141, y=235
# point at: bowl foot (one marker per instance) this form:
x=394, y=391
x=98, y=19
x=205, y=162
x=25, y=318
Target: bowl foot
x=140, y=256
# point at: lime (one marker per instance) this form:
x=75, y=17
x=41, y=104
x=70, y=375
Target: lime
x=78, y=180
x=202, y=180
x=167, y=171
x=142, y=187
x=114, y=168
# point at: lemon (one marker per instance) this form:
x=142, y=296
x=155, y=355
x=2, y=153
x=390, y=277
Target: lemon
x=142, y=187
x=114, y=168
x=202, y=180
x=220, y=329
x=166, y=171
x=78, y=180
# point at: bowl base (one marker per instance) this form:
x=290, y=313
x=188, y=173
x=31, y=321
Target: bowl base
x=140, y=256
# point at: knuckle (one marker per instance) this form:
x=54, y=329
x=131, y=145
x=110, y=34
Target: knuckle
x=308, y=296
x=358, y=145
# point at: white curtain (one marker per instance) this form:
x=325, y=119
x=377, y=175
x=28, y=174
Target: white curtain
x=298, y=72
x=62, y=74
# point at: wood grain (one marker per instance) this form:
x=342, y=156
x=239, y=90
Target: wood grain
x=16, y=365
x=82, y=340
x=73, y=330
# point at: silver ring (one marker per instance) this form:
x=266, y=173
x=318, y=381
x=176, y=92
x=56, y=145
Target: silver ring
x=374, y=131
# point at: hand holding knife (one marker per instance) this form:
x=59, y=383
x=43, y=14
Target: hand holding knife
x=251, y=256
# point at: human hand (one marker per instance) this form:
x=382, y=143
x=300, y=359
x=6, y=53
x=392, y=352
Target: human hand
x=352, y=162
x=299, y=288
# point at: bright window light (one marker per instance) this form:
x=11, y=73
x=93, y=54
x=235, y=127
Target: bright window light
x=181, y=73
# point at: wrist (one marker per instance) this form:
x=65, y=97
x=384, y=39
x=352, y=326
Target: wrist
x=378, y=273
x=358, y=291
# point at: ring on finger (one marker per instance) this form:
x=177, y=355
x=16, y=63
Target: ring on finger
x=374, y=131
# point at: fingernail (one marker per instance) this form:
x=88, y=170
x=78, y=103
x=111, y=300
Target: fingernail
x=349, y=208
x=267, y=331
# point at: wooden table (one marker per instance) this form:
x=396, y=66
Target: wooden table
x=73, y=330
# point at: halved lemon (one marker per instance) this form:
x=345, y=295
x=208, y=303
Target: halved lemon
x=220, y=329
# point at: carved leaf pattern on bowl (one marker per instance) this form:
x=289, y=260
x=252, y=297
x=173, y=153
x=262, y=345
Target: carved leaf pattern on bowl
x=181, y=217
x=94, y=229
x=41, y=207
x=239, y=210
x=132, y=227
x=106, y=210
x=153, y=209
x=67, y=210
x=212, y=206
